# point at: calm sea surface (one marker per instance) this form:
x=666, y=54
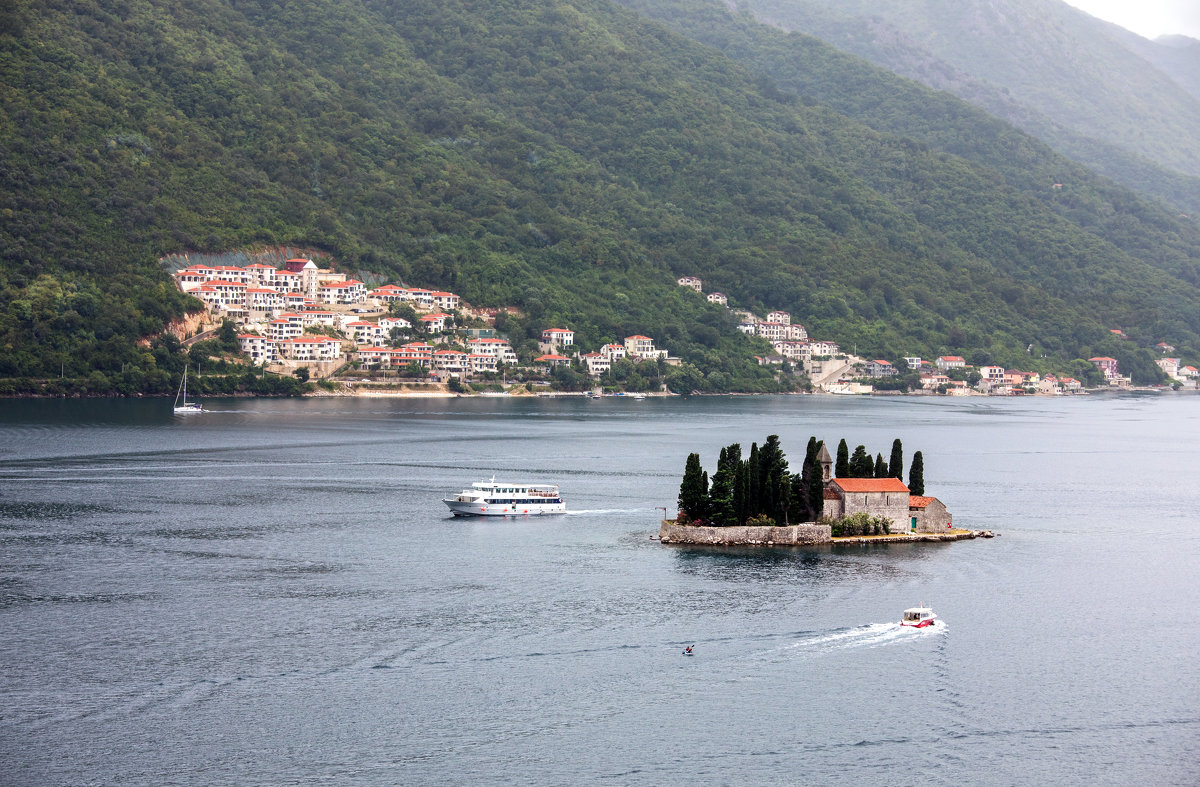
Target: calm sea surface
x=273, y=593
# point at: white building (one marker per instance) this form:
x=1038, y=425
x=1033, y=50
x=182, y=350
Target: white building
x=772, y=331
x=310, y=348
x=285, y=326
x=1170, y=367
x=342, y=293
x=614, y=351
x=498, y=348
x=992, y=375
x=557, y=339
x=641, y=348
x=796, y=333
x=259, y=348
x=596, y=364
x=446, y=301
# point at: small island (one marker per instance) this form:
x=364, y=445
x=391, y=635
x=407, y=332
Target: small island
x=857, y=498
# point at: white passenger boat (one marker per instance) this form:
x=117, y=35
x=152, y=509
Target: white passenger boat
x=500, y=498
x=918, y=617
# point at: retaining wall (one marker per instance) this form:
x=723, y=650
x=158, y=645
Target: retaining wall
x=794, y=535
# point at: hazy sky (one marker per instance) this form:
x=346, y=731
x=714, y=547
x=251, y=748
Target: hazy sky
x=1149, y=18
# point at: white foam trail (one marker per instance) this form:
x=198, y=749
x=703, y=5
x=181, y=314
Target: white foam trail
x=572, y=512
x=871, y=635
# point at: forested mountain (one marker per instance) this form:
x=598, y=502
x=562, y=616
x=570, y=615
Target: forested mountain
x=1103, y=96
x=569, y=158
x=1176, y=56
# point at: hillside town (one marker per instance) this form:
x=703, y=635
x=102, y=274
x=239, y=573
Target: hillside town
x=303, y=315
x=835, y=371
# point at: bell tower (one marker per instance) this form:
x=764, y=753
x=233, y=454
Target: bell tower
x=826, y=464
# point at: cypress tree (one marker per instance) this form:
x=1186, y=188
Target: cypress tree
x=733, y=455
x=693, y=491
x=816, y=492
x=720, y=496
x=754, y=496
x=841, y=466
x=741, y=493
x=881, y=468
x=802, y=482
x=814, y=445
x=861, y=464
x=798, y=488
x=785, y=496
x=896, y=464
x=916, y=475
x=773, y=468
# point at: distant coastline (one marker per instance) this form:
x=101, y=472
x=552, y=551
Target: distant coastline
x=439, y=391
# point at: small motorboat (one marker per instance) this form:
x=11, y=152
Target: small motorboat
x=918, y=617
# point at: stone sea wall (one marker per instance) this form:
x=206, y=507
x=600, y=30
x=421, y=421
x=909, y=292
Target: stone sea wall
x=794, y=535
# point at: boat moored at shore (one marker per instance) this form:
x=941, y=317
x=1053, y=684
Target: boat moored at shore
x=500, y=498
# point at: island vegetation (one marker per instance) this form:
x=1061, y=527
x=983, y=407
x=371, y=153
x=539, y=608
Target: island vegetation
x=760, y=491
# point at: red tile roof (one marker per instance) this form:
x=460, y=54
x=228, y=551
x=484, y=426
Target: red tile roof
x=919, y=501
x=871, y=484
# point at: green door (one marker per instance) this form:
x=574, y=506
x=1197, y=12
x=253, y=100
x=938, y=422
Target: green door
x=914, y=523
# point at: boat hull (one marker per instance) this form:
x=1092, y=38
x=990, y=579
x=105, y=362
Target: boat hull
x=477, y=508
x=922, y=624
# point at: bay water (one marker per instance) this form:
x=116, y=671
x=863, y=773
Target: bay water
x=273, y=593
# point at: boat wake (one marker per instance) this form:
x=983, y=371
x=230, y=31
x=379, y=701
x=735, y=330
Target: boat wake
x=578, y=512
x=871, y=635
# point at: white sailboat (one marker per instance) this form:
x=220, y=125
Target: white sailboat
x=182, y=405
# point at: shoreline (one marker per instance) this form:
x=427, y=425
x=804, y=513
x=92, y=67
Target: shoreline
x=807, y=534
x=447, y=394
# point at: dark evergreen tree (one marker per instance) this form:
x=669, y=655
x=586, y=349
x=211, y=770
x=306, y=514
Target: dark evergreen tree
x=720, y=496
x=881, y=468
x=773, y=468
x=741, y=493
x=814, y=445
x=841, y=466
x=802, y=483
x=733, y=455
x=916, y=475
x=693, y=491
x=816, y=491
x=784, y=489
x=754, y=498
x=861, y=464
x=798, y=504
x=896, y=463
